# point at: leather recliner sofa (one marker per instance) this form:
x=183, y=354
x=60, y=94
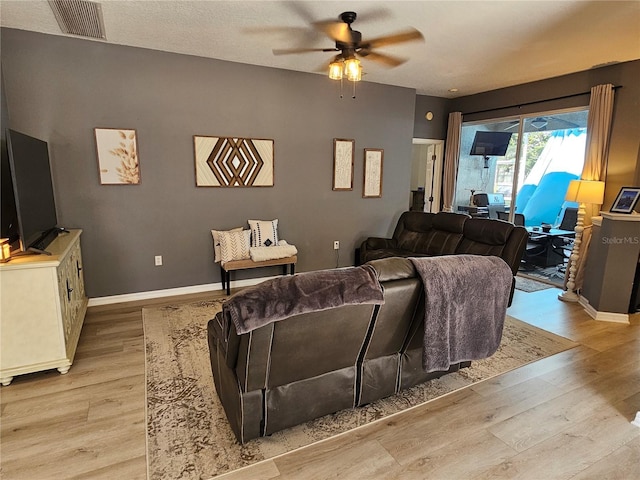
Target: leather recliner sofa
x=306, y=366
x=420, y=234
x=309, y=365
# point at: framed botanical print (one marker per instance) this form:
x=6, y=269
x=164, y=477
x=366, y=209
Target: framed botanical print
x=117, y=156
x=343, y=164
x=372, y=181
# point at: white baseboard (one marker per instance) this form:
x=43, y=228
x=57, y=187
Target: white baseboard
x=169, y=292
x=603, y=316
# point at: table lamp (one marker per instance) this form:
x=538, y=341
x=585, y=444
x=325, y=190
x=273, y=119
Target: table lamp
x=582, y=192
x=5, y=250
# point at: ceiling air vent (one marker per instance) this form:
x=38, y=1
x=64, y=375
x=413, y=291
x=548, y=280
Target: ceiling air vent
x=79, y=17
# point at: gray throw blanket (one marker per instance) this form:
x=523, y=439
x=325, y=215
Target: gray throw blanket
x=286, y=296
x=466, y=299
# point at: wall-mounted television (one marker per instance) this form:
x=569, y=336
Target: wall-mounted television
x=491, y=144
x=32, y=190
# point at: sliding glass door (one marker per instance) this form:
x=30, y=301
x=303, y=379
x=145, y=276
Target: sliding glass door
x=523, y=163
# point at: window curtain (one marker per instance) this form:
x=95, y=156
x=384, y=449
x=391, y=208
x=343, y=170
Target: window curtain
x=598, y=130
x=451, y=156
x=595, y=163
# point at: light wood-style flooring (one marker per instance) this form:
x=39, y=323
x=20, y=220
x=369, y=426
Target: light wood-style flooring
x=564, y=417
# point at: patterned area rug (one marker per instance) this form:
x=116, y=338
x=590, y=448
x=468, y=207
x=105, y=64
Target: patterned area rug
x=188, y=436
x=530, y=284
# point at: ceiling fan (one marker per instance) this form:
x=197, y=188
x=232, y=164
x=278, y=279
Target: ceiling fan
x=350, y=45
x=540, y=123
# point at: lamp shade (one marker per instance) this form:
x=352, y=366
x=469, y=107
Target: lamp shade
x=5, y=250
x=352, y=69
x=335, y=70
x=585, y=191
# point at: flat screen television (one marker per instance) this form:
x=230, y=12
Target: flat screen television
x=491, y=144
x=32, y=190
x=8, y=214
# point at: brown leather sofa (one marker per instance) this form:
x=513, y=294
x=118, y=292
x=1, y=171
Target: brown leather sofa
x=306, y=366
x=419, y=234
x=313, y=364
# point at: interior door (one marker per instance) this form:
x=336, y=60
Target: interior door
x=426, y=172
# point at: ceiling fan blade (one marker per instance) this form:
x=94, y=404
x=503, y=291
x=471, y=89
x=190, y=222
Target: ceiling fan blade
x=382, y=58
x=300, y=9
x=400, y=37
x=336, y=31
x=290, y=51
x=324, y=68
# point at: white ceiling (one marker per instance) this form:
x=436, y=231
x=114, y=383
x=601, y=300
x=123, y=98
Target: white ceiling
x=473, y=46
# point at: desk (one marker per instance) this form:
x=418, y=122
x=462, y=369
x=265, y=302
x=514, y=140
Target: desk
x=547, y=254
x=554, y=232
x=474, y=211
x=483, y=212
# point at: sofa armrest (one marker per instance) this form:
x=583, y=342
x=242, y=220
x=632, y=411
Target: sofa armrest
x=220, y=330
x=377, y=243
x=374, y=243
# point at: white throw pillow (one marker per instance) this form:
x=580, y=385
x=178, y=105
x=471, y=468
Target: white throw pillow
x=216, y=242
x=234, y=245
x=264, y=233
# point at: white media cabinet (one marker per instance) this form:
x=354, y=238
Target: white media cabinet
x=42, y=308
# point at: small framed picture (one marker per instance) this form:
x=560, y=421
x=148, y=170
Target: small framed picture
x=343, y=163
x=117, y=156
x=626, y=200
x=372, y=184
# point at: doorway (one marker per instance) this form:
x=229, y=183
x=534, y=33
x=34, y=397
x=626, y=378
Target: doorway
x=426, y=175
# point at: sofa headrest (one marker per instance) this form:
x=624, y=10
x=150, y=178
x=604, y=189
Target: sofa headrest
x=449, y=222
x=415, y=222
x=487, y=231
x=393, y=268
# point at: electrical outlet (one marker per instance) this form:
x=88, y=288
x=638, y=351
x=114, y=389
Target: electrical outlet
x=336, y=245
x=158, y=259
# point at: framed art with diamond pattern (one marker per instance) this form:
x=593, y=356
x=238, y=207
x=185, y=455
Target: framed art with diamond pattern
x=233, y=162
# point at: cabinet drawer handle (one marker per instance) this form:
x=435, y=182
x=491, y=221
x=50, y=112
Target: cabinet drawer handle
x=69, y=290
x=79, y=268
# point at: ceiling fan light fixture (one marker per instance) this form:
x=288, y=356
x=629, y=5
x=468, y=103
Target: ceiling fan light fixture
x=335, y=70
x=352, y=69
x=539, y=122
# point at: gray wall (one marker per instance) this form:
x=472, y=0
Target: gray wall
x=59, y=89
x=435, y=129
x=624, y=148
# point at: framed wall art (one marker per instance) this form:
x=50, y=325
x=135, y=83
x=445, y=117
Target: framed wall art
x=343, y=163
x=372, y=182
x=626, y=200
x=233, y=162
x=117, y=156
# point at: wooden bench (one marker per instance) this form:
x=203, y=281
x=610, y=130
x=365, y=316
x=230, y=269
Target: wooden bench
x=288, y=263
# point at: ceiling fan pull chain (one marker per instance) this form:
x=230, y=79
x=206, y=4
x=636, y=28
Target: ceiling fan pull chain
x=354, y=89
